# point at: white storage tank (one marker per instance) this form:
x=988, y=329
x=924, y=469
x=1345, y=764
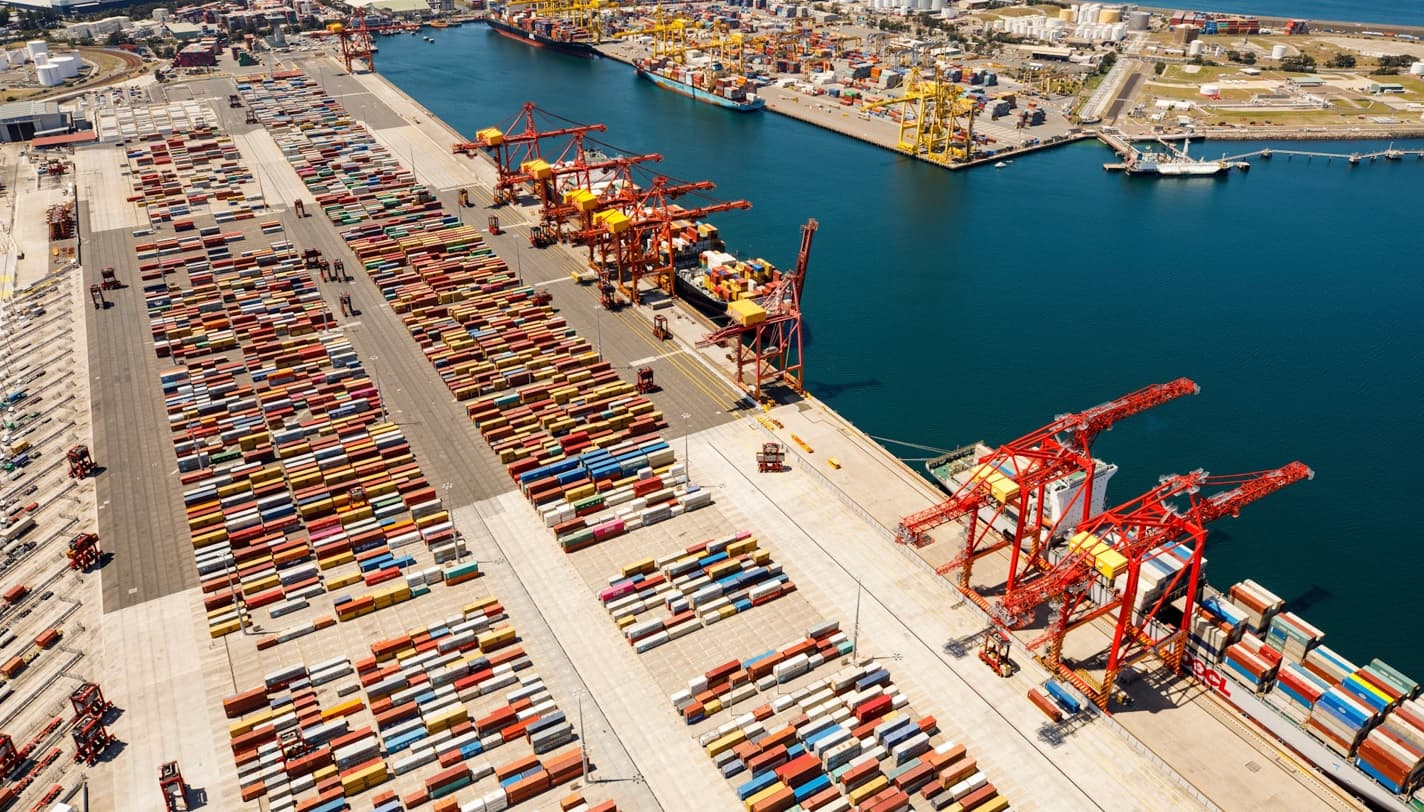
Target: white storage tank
x=936, y=5
x=39, y=50
x=1211, y=90
x=1196, y=48
x=48, y=75
x=1417, y=69
x=68, y=65
x=1278, y=52
x=1139, y=21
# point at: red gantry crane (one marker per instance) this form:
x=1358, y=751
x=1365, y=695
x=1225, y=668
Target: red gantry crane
x=1017, y=475
x=770, y=342
x=355, y=38
x=514, y=148
x=638, y=243
x=1114, y=546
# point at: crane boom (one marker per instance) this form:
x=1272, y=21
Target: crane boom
x=1086, y=425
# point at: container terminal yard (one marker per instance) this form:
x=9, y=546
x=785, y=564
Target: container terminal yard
x=388, y=520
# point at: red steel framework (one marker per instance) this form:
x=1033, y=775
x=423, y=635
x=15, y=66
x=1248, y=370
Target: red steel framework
x=637, y=244
x=1032, y=462
x=355, y=38
x=772, y=348
x=1140, y=529
x=519, y=143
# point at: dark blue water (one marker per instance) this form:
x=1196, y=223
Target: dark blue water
x=952, y=307
x=1397, y=12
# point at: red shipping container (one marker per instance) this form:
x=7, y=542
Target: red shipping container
x=872, y=708
x=799, y=770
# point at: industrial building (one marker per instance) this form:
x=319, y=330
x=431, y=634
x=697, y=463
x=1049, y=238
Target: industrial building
x=22, y=120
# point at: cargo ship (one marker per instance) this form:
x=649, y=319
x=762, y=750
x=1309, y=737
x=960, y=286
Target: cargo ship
x=1174, y=163
x=708, y=277
x=727, y=92
x=1362, y=726
x=541, y=32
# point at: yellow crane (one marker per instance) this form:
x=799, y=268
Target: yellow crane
x=669, y=37
x=582, y=13
x=936, y=121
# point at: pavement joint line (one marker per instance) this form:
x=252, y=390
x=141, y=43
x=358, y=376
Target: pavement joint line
x=637, y=362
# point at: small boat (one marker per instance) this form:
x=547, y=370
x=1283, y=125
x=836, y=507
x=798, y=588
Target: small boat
x=429, y=39
x=1000, y=165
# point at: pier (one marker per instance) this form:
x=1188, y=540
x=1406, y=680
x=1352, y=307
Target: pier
x=1131, y=156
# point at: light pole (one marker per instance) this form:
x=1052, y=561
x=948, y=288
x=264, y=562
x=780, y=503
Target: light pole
x=376, y=382
x=855, y=627
x=583, y=740
x=686, y=453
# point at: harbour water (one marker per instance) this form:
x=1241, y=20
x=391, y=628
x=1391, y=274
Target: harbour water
x=950, y=307
x=1396, y=12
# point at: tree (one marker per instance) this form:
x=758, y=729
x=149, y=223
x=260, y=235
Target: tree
x=1341, y=61
x=4, y=16
x=1248, y=58
x=1109, y=59
x=1298, y=64
x=1160, y=68
x=114, y=39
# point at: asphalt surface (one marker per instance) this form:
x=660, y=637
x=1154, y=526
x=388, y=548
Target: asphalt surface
x=141, y=518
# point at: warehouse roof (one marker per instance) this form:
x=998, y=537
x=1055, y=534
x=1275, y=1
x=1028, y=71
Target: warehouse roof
x=68, y=138
x=27, y=109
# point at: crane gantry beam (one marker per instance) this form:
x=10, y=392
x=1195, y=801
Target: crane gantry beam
x=1137, y=532
x=1014, y=478
x=518, y=146
x=636, y=240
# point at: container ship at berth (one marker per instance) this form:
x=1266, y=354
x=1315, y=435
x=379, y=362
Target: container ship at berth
x=542, y=32
x=707, y=276
x=1361, y=725
x=727, y=92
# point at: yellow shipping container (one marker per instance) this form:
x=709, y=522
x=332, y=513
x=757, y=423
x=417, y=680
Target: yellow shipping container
x=743, y=546
x=490, y=136
x=730, y=740
x=342, y=709
x=746, y=312
x=764, y=794
x=868, y=789
x=247, y=723
x=223, y=628
x=495, y=638
x=638, y=567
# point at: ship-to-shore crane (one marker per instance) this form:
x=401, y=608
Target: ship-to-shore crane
x=354, y=36
x=518, y=145
x=1137, y=531
x=1014, y=478
x=769, y=349
x=636, y=243
x=936, y=120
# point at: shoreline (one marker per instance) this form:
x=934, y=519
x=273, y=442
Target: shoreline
x=858, y=446
x=778, y=97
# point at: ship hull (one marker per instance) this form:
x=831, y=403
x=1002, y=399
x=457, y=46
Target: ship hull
x=1195, y=170
x=698, y=94
x=580, y=49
